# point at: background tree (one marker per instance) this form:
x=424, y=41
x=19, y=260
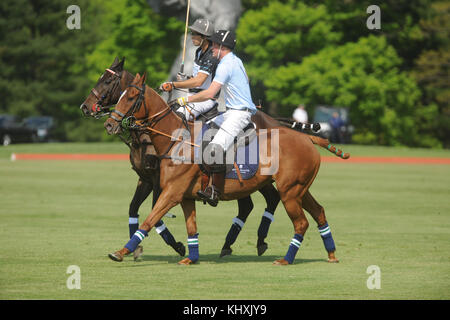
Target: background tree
x=369, y=71
x=42, y=68
x=393, y=80
x=281, y=33
x=148, y=41
x=48, y=69
x=362, y=76
x=431, y=70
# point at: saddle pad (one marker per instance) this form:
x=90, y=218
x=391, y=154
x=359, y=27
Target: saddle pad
x=246, y=157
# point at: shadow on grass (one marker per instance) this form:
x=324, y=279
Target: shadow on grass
x=212, y=259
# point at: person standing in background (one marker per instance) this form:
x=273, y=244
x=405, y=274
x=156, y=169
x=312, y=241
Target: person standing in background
x=300, y=114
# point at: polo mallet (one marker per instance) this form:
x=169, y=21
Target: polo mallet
x=185, y=37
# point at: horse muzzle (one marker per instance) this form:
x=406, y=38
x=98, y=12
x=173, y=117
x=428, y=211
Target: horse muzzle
x=84, y=108
x=112, y=127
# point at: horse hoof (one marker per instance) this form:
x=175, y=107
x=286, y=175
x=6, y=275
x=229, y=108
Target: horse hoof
x=332, y=258
x=116, y=256
x=180, y=248
x=185, y=262
x=262, y=248
x=280, y=262
x=138, y=252
x=225, y=252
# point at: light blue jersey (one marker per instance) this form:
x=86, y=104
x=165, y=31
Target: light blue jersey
x=231, y=75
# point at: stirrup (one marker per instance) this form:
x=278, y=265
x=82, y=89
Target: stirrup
x=212, y=199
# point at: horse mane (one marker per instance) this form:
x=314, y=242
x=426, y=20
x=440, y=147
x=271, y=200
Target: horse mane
x=155, y=95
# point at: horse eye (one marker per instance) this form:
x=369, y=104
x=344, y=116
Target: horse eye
x=108, y=81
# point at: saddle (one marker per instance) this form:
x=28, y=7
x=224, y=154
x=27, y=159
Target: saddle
x=245, y=147
x=246, y=154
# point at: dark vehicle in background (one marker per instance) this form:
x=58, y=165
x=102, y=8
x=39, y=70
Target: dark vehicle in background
x=44, y=126
x=12, y=130
x=324, y=114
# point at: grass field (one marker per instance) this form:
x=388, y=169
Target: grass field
x=55, y=214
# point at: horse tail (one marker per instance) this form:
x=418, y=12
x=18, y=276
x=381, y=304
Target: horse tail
x=325, y=143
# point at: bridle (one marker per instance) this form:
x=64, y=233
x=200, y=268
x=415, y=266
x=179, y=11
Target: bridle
x=146, y=123
x=98, y=106
x=128, y=120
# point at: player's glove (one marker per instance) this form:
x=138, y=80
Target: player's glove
x=166, y=86
x=182, y=101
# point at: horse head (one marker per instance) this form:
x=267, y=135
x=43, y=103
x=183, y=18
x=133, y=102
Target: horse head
x=131, y=105
x=106, y=92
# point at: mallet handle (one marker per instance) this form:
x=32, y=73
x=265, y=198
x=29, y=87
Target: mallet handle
x=185, y=36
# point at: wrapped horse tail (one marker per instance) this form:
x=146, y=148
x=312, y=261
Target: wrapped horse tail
x=325, y=143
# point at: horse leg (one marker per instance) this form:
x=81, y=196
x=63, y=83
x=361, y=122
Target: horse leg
x=245, y=207
x=272, y=199
x=160, y=227
x=191, y=228
x=318, y=213
x=293, y=203
x=165, y=202
x=143, y=189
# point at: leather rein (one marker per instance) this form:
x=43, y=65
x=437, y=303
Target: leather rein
x=147, y=123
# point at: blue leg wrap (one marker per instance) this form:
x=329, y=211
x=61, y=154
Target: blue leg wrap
x=136, y=239
x=193, y=247
x=328, y=242
x=293, y=247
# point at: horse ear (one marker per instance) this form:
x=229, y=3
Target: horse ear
x=115, y=62
x=137, y=78
x=144, y=77
x=120, y=66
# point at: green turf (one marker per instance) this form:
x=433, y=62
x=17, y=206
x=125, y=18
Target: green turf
x=55, y=214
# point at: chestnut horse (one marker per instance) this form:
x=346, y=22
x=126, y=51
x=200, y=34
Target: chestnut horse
x=180, y=182
x=143, y=158
x=142, y=154
x=107, y=92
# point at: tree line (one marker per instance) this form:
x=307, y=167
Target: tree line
x=394, y=80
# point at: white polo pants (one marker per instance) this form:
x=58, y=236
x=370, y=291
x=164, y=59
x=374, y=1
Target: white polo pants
x=231, y=123
x=193, y=109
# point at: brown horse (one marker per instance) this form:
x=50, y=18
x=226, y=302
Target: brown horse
x=143, y=158
x=297, y=169
x=142, y=153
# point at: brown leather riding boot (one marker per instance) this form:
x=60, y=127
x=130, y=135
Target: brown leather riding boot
x=212, y=193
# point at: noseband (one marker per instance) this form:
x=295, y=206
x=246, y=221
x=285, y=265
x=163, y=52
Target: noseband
x=98, y=106
x=128, y=119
